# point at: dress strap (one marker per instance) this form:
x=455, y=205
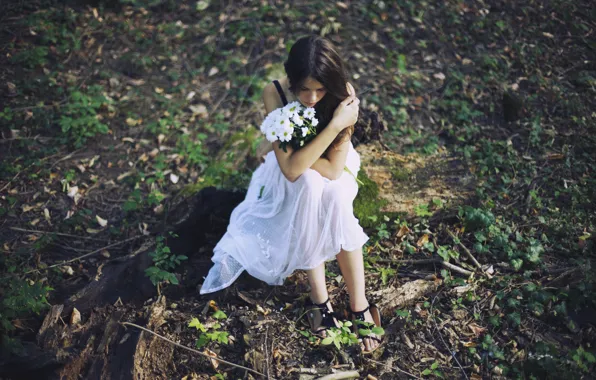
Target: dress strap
x=280, y=92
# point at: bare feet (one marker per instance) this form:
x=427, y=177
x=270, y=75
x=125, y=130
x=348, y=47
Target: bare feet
x=363, y=313
x=370, y=344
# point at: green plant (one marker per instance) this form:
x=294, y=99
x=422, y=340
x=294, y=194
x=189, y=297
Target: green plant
x=19, y=298
x=341, y=335
x=432, y=370
x=163, y=262
x=33, y=57
x=79, y=119
x=210, y=333
x=422, y=211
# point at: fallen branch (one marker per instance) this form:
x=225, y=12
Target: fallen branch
x=444, y=263
x=340, y=375
x=466, y=250
x=394, y=367
x=86, y=254
x=54, y=233
x=193, y=350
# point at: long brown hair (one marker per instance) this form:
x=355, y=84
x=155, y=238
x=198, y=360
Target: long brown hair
x=316, y=57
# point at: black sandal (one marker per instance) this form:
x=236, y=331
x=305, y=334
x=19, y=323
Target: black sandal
x=359, y=316
x=319, y=312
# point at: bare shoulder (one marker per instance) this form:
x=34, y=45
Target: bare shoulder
x=271, y=97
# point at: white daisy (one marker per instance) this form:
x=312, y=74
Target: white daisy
x=291, y=109
x=270, y=120
x=304, y=131
x=297, y=119
x=282, y=122
x=314, y=121
x=286, y=134
x=272, y=135
x=309, y=113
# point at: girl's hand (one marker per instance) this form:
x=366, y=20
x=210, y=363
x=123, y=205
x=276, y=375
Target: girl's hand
x=346, y=113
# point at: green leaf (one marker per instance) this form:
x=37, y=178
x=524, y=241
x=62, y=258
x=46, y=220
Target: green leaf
x=426, y=372
x=219, y=315
x=197, y=324
x=515, y=318
x=378, y=330
x=202, y=341
x=202, y=5
x=589, y=357
x=517, y=263
x=327, y=341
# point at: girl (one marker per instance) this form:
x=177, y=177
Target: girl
x=298, y=213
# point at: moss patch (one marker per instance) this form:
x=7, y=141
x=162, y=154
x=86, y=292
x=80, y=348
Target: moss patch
x=367, y=203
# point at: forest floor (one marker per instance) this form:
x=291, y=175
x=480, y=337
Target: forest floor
x=128, y=134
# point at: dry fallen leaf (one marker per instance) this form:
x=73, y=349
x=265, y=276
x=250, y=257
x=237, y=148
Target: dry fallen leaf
x=46, y=214
x=102, y=222
x=213, y=71
x=477, y=330
x=27, y=208
x=174, y=178
x=423, y=240
x=403, y=231
x=132, y=122
x=75, y=317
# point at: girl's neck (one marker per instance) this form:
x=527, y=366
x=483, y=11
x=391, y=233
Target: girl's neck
x=285, y=86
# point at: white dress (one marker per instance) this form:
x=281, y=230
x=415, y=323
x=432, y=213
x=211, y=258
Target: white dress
x=282, y=226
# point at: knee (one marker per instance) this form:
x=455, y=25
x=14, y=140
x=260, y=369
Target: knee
x=311, y=180
x=334, y=194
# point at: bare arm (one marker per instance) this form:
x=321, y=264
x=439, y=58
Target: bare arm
x=333, y=165
x=294, y=163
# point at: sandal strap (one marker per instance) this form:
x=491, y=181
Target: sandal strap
x=322, y=304
x=326, y=315
x=358, y=314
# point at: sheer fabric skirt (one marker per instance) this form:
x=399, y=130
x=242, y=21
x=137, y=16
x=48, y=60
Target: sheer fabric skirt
x=282, y=226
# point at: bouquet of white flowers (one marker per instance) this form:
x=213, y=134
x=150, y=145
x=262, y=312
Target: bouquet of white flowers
x=293, y=125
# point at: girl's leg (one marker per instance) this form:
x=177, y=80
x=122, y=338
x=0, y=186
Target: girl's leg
x=318, y=287
x=351, y=265
x=318, y=295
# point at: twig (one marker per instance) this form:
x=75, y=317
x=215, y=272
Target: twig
x=266, y=351
x=444, y=263
x=193, y=350
x=65, y=157
x=87, y=254
x=394, y=367
x=55, y=233
x=441, y=336
x=340, y=375
x=466, y=250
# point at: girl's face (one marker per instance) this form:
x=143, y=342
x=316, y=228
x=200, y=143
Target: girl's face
x=310, y=92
